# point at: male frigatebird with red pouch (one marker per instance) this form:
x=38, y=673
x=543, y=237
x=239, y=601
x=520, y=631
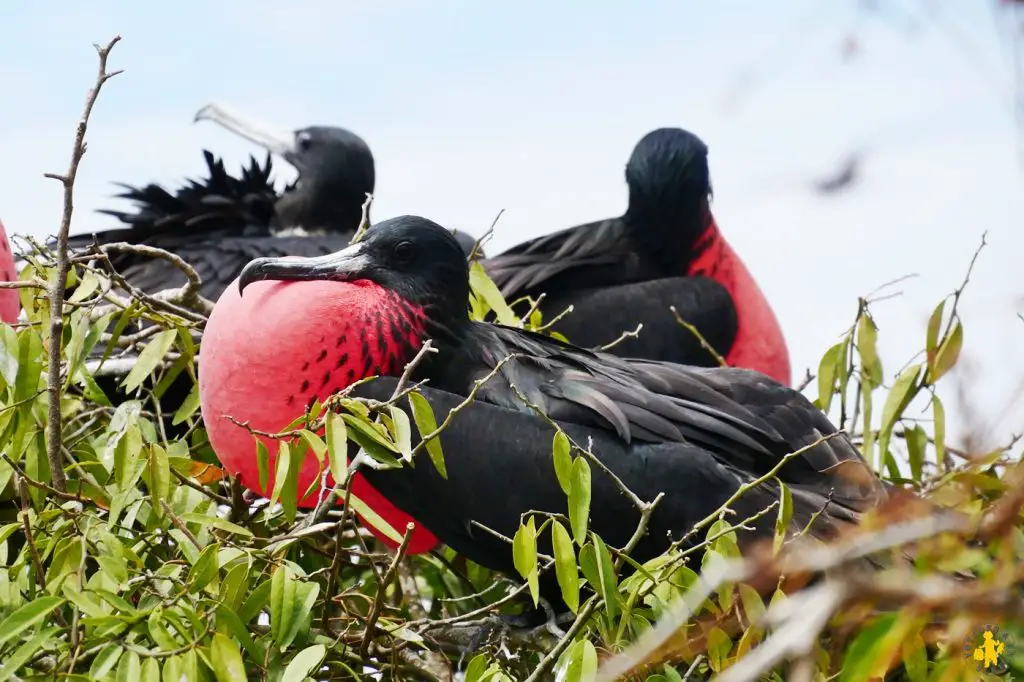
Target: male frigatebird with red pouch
x=221, y=222
x=695, y=434
x=665, y=250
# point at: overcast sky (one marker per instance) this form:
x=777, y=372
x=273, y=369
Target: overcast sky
x=471, y=107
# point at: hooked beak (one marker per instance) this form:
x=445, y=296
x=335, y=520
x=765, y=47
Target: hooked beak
x=274, y=141
x=341, y=266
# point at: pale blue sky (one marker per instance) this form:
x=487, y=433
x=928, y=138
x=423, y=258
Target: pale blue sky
x=534, y=107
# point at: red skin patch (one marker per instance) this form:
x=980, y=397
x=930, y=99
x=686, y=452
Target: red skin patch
x=10, y=306
x=759, y=343
x=269, y=353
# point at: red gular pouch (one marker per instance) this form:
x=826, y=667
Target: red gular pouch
x=267, y=355
x=10, y=306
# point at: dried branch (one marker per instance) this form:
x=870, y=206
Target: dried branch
x=382, y=587
x=59, y=286
x=700, y=337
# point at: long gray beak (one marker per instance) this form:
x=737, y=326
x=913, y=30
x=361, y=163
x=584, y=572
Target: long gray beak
x=346, y=265
x=274, y=141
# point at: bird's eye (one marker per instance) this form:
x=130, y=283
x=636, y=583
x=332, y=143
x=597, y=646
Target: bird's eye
x=304, y=141
x=404, y=251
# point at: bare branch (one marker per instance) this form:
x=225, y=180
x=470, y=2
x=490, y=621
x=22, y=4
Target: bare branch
x=59, y=287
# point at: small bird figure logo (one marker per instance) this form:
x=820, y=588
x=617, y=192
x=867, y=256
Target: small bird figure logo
x=990, y=650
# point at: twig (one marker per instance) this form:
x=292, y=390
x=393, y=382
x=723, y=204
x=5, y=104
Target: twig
x=622, y=337
x=552, y=656
x=59, y=287
x=364, y=220
x=180, y=525
x=700, y=337
x=475, y=253
x=186, y=295
x=382, y=586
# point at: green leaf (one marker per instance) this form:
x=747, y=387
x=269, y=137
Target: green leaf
x=895, y=403
x=579, y=662
x=560, y=447
x=524, y=556
x=579, y=499
x=402, y=432
x=148, y=359
x=917, y=442
x=290, y=489
x=227, y=659
x=784, y=515
x=867, y=345
x=948, y=353
x=915, y=658
x=423, y=414
x=565, y=565
x=486, y=289
x=753, y=606
x=150, y=670
x=718, y=647
x=216, y=522
x=188, y=407
x=283, y=463
x=830, y=361
x=129, y=668
x=230, y=624
x=159, y=476
x=235, y=585
x=367, y=513
x=26, y=616
x=939, y=426
x=262, y=463
x=932, y=335
x=205, y=569
x=606, y=574
x=13, y=662
x=337, y=447
x=366, y=436
x=105, y=661
x=291, y=602
x=862, y=654
x=305, y=663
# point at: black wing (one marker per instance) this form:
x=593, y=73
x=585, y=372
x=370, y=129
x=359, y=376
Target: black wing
x=560, y=260
x=601, y=315
x=499, y=466
x=740, y=416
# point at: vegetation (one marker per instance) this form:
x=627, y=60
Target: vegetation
x=146, y=561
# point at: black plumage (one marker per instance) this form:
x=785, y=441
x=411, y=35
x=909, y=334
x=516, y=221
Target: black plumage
x=627, y=270
x=696, y=434
x=221, y=222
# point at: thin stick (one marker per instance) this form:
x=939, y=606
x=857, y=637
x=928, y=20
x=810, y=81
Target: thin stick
x=378, y=602
x=59, y=287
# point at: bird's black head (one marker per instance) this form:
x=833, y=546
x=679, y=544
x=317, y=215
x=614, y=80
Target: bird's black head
x=411, y=256
x=669, y=181
x=335, y=166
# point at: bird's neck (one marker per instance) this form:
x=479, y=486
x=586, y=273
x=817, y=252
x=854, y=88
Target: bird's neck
x=666, y=234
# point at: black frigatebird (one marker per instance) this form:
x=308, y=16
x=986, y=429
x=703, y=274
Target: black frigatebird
x=696, y=434
x=665, y=250
x=220, y=223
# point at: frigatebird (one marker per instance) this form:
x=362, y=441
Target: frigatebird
x=9, y=303
x=220, y=223
x=665, y=250
x=695, y=434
